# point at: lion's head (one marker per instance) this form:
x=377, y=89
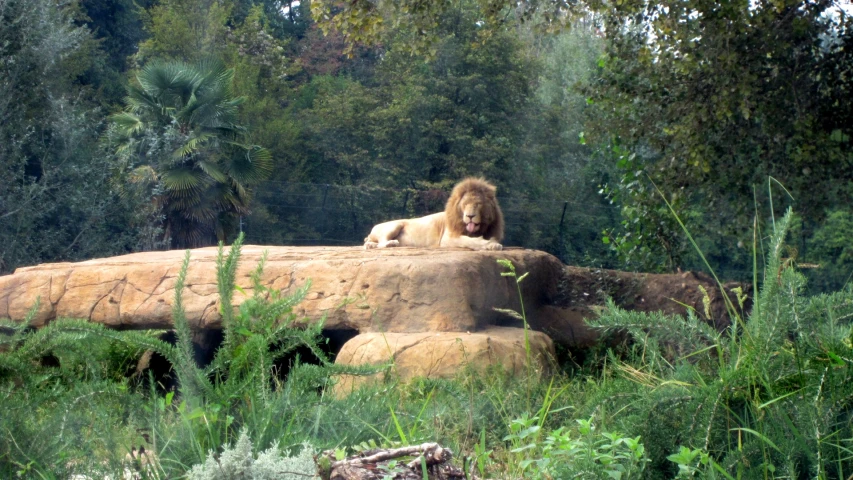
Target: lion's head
x=473, y=210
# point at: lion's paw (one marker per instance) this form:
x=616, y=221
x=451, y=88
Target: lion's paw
x=369, y=245
x=390, y=243
x=493, y=246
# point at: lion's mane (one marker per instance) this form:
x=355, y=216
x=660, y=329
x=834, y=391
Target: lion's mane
x=493, y=219
x=472, y=200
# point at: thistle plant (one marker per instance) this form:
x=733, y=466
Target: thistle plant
x=239, y=462
x=768, y=397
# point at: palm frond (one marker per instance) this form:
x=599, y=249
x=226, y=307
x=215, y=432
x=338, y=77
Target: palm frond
x=138, y=100
x=215, y=73
x=182, y=179
x=192, y=145
x=169, y=82
x=212, y=170
x=251, y=164
x=127, y=123
x=193, y=234
x=241, y=191
x=226, y=199
x=143, y=174
x=216, y=116
x=189, y=106
x=201, y=213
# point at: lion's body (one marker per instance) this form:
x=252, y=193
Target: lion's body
x=471, y=219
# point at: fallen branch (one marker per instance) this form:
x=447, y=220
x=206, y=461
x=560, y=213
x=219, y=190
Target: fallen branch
x=376, y=464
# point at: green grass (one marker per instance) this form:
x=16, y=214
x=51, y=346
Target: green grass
x=770, y=398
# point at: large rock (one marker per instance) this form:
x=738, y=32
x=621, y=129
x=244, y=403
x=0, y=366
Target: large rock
x=671, y=293
x=431, y=311
x=443, y=354
x=387, y=290
x=399, y=290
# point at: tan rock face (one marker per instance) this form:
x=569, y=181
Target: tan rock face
x=443, y=354
x=388, y=290
x=435, y=307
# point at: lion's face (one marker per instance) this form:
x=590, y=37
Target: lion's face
x=472, y=210
x=475, y=213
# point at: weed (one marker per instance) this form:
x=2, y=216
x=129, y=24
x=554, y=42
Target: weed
x=239, y=462
x=761, y=400
x=584, y=453
x=768, y=398
x=239, y=389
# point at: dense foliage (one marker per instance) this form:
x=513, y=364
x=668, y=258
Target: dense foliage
x=713, y=99
x=179, y=143
x=768, y=397
x=352, y=140
x=608, y=127
x=584, y=115
x=56, y=200
x=709, y=104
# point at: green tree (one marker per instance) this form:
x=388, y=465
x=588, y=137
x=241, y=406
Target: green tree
x=55, y=198
x=265, y=72
x=180, y=141
x=117, y=27
x=184, y=30
x=556, y=171
x=460, y=112
x=392, y=142
x=830, y=251
x=706, y=99
x=709, y=99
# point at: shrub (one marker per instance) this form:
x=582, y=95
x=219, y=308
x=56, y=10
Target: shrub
x=239, y=462
x=830, y=248
x=768, y=397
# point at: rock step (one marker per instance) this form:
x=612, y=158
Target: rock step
x=393, y=291
x=388, y=290
x=443, y=354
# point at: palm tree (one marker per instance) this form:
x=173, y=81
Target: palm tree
x=179, y=139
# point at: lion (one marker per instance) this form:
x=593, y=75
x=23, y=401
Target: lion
x=471, y=219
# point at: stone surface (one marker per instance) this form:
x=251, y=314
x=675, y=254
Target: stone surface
x=432, y=310
x=673, y=293
x=443, y=354
x=385, y=290
x=390, y=290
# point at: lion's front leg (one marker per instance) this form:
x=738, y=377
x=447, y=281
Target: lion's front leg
x=474, y=243
x=386, y=244
x=493, y=246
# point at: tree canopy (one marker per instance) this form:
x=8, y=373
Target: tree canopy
x=180, y=140
x=587, y=115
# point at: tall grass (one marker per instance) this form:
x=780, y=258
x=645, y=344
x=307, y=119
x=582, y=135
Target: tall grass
x=772, y=397
x=240, y=390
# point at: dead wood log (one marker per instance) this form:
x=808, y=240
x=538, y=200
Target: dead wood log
x=381, y=463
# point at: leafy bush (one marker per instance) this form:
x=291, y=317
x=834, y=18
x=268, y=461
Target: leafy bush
x=64, y=397
x=589, y=454
x=240, y=389
x=830, y=248
x=263, y=330
x=770, y=396
x=239, y=462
